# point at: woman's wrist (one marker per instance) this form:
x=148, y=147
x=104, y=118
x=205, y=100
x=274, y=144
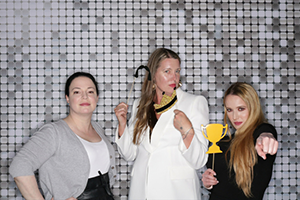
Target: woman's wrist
x=121, y=129
x=187, y=133
x=208, y=187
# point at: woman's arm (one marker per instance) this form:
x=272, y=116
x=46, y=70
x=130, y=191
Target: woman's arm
x=28, y=187
x=40, y=147
x=197, y=113
x=124, y=137
x=265, y=141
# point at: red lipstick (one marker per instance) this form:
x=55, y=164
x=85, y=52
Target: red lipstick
x=84, y=104
x=237, y=123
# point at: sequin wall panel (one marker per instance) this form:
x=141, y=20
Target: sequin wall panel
x=220, y=42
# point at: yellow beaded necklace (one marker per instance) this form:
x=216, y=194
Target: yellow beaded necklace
x=166, y=103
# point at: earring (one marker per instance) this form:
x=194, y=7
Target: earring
x=153, y=86
x=179, y=84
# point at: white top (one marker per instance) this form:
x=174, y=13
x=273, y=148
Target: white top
x=98, y=155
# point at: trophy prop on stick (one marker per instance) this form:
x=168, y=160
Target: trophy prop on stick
x=214, y=133
x=136, y=75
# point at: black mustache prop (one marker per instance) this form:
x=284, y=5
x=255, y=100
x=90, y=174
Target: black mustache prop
x=136, y=75
x=166, y=102
x=143, y=67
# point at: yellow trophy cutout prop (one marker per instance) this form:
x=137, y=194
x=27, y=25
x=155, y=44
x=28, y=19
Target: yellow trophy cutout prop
x=214, y=133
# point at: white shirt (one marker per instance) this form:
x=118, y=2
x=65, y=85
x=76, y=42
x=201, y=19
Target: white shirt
x=98, y=155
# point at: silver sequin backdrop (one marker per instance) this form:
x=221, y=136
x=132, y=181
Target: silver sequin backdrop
x=220, y=42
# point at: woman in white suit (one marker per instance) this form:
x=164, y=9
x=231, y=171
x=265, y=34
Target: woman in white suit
x=163, y=136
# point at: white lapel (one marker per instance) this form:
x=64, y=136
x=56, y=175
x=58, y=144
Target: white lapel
x=165, y=120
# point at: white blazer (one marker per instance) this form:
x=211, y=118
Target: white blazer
x=164, y=169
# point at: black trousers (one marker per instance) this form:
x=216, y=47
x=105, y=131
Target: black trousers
x=97, y=188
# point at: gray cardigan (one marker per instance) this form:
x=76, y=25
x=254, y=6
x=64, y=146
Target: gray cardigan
x=61, y=159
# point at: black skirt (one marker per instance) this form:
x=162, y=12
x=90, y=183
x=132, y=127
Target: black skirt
x=97, y=188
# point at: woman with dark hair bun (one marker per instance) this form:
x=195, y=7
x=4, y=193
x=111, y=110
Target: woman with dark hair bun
x=74, y=158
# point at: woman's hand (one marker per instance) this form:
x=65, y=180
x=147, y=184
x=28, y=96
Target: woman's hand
x=184, y=126
x=266, y=144
x=209, y=179
x=181, y=122
x=121, y=114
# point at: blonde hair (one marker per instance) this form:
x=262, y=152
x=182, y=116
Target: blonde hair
x=146, y=114
x=243, y=155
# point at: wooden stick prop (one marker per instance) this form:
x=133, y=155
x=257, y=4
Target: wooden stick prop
x=214, y=133
x=135, y=76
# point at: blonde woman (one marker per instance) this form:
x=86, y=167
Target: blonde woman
x=244, y=169
x=163, y=138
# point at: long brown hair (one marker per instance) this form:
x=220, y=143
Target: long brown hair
x=243, y=156
x=145, y=115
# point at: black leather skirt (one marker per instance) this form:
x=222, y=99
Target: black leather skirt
x=97, y=188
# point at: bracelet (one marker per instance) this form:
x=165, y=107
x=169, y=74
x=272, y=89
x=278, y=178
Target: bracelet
x=186, y=133
x=209, y=188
